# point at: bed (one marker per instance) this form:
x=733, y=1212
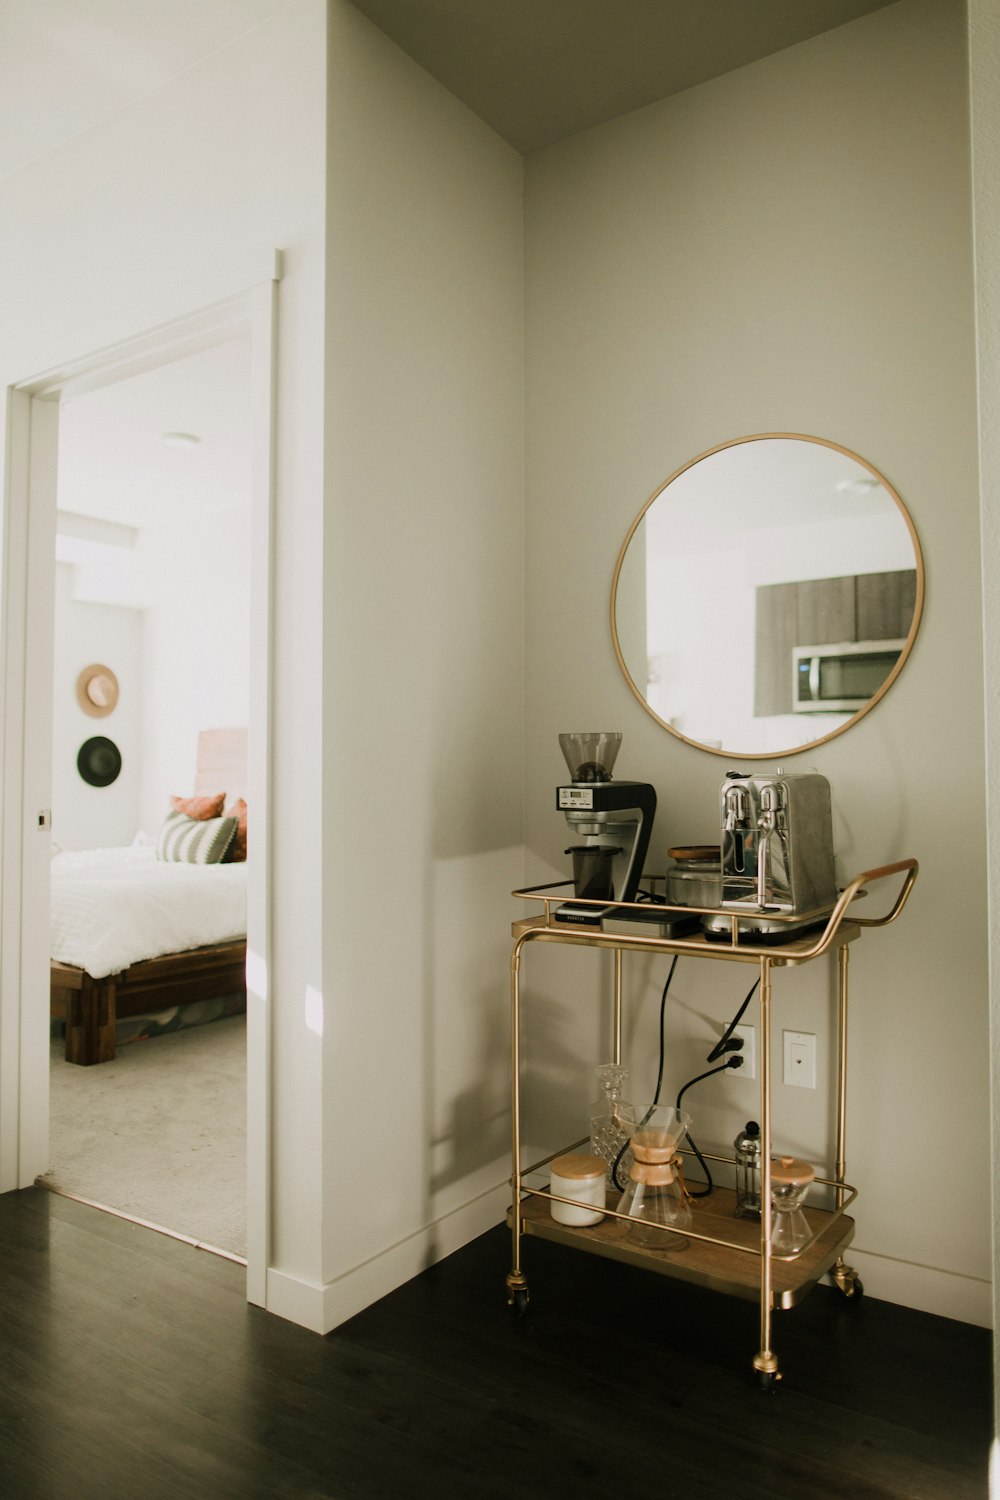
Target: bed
x=132, y=934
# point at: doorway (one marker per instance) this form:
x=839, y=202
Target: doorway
x=28, y=609
x=151, y=673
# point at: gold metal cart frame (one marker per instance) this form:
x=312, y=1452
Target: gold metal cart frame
x=726, y=1253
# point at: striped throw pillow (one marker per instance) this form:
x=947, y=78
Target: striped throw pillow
x=195, y=841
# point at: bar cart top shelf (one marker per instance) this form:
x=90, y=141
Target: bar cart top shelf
x=815, y=931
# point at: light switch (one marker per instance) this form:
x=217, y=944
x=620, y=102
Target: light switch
x=799, y=1049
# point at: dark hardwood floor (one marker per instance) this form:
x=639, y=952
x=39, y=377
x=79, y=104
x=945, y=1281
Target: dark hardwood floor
x=131, y=1366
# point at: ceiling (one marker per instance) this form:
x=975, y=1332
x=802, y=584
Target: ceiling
x=538, y=71
x=67, y=64
x=113, y=464
x=535, y=70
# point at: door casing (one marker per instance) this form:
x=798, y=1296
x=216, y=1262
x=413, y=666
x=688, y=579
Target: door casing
x=248, y=302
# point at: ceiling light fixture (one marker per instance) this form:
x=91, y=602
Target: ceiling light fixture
x=861, y=485
x=180, y=440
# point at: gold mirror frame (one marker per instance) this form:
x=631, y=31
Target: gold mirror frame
x=876, y=697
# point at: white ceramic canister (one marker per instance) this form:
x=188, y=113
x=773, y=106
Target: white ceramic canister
x=581, y=1176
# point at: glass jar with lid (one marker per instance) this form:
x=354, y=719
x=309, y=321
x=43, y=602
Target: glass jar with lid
x=790, y=1181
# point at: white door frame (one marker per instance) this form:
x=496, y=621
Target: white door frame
x=248, y=300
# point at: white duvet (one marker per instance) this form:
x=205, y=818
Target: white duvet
x=115, y=907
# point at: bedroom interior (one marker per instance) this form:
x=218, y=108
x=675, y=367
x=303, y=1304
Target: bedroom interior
x=815, y=199
x=147, y=926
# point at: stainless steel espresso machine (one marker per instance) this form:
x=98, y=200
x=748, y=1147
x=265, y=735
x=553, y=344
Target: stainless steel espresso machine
x=776, y=852
x=611, y=823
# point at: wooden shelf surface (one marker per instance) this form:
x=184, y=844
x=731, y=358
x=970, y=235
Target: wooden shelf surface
x=723, y=1268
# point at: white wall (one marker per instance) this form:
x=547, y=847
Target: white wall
x=984, y=44
x=785, y=248
x=196, y=642
x=182, y=665
x=88, y=817
x=423, y=664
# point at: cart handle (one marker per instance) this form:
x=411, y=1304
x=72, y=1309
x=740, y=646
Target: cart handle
x=852, y=891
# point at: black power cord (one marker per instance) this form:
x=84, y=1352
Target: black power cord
x=659, y=1073
x=726, y=1043
x=731, y=1062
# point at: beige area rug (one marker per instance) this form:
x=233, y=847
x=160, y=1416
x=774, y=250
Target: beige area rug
x=160, y=1132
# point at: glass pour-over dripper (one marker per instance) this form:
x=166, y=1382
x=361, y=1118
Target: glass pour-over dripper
x=612, y=1121
x=656, y=1197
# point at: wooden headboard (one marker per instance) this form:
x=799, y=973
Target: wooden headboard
x=222, y=763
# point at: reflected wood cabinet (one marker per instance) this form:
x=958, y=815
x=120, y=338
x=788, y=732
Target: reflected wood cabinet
x=816, y=611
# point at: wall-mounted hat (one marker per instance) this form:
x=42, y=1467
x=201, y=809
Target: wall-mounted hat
x=99, y=761
x=97, y=691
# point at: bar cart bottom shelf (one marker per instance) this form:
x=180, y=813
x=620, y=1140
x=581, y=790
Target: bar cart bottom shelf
x=719, y=1267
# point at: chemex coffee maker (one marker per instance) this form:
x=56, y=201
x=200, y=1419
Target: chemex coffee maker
x=611, y=823
x=776, y=852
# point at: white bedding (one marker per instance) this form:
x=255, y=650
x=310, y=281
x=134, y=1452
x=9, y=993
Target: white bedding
x=115, y=907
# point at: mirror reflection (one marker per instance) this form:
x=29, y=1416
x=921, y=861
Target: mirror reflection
x=767, y=595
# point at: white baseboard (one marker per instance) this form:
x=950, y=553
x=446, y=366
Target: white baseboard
x=949, y=1294
x=323, y=1306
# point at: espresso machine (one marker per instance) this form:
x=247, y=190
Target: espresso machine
x=776, y=852
x=611, y=822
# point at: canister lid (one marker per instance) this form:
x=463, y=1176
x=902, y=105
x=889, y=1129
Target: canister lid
x=791, y=1172
x=579, y=1165
x=699, y=852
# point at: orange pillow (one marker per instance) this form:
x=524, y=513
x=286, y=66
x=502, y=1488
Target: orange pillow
x=238, y=848
x=201, y=808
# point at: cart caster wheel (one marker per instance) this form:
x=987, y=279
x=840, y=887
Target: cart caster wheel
x=847, y=1281
x=517, y=1293
x=768, y=1380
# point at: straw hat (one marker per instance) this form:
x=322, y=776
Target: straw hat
x=97, y=691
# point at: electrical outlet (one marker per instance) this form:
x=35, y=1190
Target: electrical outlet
x=799, y=1053
x=749, y=1052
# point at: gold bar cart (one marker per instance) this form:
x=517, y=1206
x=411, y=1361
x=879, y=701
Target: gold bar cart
x=725, y=1253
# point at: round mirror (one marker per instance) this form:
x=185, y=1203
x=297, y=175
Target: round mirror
x=767, y=595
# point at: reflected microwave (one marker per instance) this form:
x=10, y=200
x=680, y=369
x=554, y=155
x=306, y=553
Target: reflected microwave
x=842, y=676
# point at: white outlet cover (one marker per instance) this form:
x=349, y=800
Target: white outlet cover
x=799, y=1059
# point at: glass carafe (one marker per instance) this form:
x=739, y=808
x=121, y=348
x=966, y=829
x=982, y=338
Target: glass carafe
x=656, y=1197
x=612, y=1121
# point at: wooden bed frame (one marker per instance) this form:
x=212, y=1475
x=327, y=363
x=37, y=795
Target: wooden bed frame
x=90, y=1008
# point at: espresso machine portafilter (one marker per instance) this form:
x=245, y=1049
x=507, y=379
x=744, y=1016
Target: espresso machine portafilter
x=611, y=822
x=776, y=850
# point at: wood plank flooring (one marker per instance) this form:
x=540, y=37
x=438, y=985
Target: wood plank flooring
x=131, y=1366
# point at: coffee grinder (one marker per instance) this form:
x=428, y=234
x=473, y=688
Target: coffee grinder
x=611, y=823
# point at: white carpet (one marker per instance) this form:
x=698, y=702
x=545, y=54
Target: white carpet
x=160, y=1132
